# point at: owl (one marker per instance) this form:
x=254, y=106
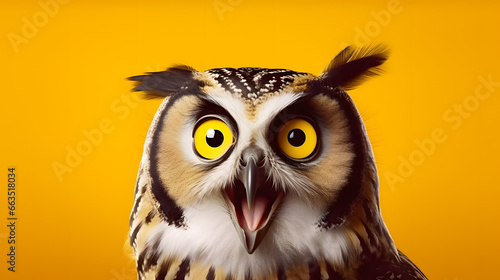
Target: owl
x=257, y=174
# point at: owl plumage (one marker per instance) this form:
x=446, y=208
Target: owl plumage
x=255, y=173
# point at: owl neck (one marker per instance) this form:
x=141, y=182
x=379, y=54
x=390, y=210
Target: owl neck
x=365, y=221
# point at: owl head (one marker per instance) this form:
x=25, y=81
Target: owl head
x=273, y=158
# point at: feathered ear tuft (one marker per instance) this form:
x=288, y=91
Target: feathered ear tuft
x=351, y=67
x=164, y=83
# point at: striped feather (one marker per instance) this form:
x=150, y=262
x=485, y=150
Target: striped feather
x=186, y=270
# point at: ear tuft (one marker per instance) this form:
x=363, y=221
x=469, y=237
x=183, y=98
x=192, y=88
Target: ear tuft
x=351, y=67
x=165, y=83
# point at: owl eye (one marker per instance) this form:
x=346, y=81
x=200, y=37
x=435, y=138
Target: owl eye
x=212, y=138
x=297, y=138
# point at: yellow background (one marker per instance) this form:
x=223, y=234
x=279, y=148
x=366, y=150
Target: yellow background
x=70, y=76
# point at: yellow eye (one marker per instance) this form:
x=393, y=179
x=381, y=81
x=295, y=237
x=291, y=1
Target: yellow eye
x=297, y=138
x=212, y=138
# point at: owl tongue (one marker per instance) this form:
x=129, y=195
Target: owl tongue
x=254, y=216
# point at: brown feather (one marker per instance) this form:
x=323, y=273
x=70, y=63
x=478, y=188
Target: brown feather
x=164, y=83
x=351, y=67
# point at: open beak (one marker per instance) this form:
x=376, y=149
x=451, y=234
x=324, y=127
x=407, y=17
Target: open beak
x=253, y=201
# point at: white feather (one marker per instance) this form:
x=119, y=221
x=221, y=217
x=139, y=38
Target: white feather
x=211, y=239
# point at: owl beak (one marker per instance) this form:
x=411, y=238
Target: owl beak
x=253, y=201
x=252, y=177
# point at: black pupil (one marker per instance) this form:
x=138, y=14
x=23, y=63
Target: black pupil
x=214, y=138
x=296, y=137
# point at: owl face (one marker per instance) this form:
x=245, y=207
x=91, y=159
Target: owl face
x=274, y=160
x=253, y=153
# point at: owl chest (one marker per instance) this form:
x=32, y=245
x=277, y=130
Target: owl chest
x=209, y=248
x=187, y=269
